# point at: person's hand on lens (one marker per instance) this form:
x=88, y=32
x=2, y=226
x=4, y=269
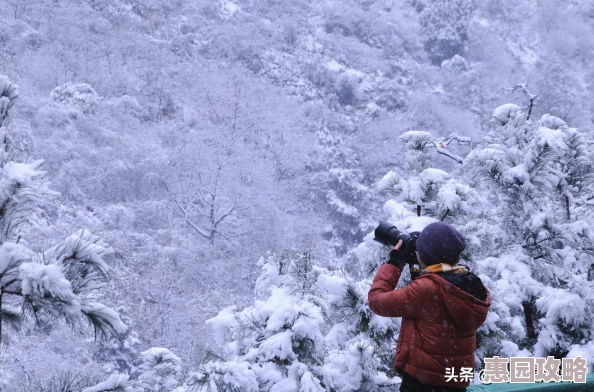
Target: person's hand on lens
x=397, y=256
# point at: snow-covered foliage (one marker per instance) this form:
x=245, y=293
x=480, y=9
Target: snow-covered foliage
x=431, y=194
x=538, y=176
x=8, y=95
x=159, y=370
x=117, y=352
x=59, y=283
x=308, y=100
x=444, y=26
x=309, y=330
x=341, y=187
x=115, y=383
x=78, y=95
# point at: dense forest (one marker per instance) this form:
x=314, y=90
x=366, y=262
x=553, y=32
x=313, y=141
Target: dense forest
x=189, y=189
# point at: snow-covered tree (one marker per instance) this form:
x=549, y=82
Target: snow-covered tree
x=159, y=371
x=417, y=182
x=538, y=176
x=419, y=189
x=57, y=283
x=279, y=340
x=80, y=96
x=360, y=343
x=286, y=340
x=444, y=26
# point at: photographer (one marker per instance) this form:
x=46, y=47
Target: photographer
x=441, y=310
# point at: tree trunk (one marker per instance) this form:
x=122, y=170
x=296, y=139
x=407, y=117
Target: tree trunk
x=567, y=207
x=418, y=210
x=529, y=315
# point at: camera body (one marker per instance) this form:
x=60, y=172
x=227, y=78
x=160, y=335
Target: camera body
x=389, y=235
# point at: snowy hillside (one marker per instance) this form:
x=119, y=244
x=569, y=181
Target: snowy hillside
x=194, y=183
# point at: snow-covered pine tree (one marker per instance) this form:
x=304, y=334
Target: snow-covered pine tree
x=285, y=341
x=57, y=283
x=422, y=194
x=8, y=96
x=361, y=345
x=428, y=190
x=276, y=344
x=160, y=370
x=539, y=176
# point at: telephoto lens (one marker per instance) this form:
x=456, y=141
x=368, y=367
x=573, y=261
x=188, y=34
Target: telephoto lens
x=387, y=234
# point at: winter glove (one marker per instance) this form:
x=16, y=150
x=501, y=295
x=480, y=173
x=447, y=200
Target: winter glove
x=398, y=256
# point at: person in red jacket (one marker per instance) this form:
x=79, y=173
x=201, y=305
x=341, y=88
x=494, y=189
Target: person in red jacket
x=441, y=310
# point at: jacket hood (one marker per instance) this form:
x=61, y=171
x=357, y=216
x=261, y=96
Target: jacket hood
x=467, y=310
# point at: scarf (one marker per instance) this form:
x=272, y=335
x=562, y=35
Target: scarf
x=444, y=267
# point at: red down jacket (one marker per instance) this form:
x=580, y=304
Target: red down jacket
x=439, y=322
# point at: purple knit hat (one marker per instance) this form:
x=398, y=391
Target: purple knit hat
x=440, y=243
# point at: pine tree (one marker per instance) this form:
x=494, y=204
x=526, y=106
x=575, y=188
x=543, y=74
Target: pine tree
x=539, y=176
x=159, y=371
x=360, y=344
x=278, y=342
x=422, y=194
x=8, y=96
x=310, y=329
x=57, y=283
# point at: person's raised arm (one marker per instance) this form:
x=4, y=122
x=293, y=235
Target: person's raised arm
x=387, y=302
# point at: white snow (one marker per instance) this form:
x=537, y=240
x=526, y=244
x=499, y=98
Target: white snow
x=584, y=351
x=11, y=254
x=237, y=375
x=222, y=323
x=552, y=137
x=433, y=175
x=115, y=382
x=335, y=66
x=41, y=279
x=415, y=135
x=505, y=112
x=552, y=122
x=228, y=8
x=396, y=210
x=332, y=284
x=105, y=313
x=340, y=205
x=160, y=369
x=388, y=180
x=278, y=346
x=19, y=173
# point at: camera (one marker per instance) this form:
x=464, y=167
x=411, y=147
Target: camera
x=389, y=235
